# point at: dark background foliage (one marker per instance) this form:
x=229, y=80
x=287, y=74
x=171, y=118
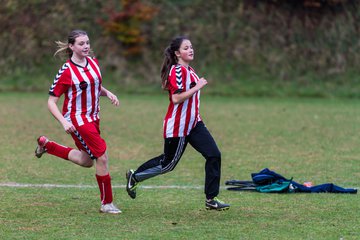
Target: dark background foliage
x=274, y=44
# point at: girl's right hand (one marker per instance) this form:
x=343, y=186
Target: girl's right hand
x=68, y=127
x=201, y=83
x=52, y=106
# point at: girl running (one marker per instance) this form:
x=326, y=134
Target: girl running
x=80, y=81
x=182, y=125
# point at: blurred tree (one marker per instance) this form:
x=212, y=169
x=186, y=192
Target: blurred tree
x=126, y=24
x=30, y=28
x=285, y=39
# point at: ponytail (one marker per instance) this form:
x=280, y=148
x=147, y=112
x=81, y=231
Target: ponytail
x=63, y=47
x=170, y=59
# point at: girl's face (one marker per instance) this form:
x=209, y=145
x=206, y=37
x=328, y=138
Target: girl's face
x=81, y=47
x=186, y=53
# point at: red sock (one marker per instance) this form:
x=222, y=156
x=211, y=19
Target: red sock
x=58, y=150
x=104, y=183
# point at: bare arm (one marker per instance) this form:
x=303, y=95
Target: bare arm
x=181, y=97
x=53, y=108
x=114, y=100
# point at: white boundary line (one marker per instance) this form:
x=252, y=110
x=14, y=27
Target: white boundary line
x=46, y=185
x=49, y=185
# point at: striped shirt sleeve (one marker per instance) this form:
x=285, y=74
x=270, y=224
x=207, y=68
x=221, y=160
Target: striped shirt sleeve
x=61, y=83
x=176, y=80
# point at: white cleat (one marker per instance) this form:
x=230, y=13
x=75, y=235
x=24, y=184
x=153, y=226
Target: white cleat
x=109, y=208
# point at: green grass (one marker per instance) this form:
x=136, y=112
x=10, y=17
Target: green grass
x=242, y=81
x=307, y=139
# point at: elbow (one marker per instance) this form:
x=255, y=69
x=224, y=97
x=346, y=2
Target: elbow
x=48, y=104
x=51, y=103
x=174, y=99
x=175, y=102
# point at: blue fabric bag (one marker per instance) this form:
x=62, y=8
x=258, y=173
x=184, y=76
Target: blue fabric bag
x=267, y=181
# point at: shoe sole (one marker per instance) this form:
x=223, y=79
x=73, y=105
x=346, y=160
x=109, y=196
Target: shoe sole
x=218, y=209
x=110, y=212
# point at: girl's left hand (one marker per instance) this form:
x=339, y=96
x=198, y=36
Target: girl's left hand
x=114, y=100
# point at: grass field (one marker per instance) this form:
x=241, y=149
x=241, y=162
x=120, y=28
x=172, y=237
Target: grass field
x=308, y=139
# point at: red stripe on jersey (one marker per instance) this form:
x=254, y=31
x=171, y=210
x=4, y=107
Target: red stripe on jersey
x=168, y=115
x=196, y=110
x=95, y=65
x=197, y=100
x=72, y=100
x=83, y=94
x=95, y=105
x=65, y=104
x=92, y=93
x=188, y=115
x=61, y=84
x=80, y=106
x=181, y=118
x=92, y=90
x=177, y=120
x=179, y=109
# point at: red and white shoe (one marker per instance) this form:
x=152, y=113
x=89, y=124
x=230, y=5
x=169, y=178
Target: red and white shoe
x=40, y=148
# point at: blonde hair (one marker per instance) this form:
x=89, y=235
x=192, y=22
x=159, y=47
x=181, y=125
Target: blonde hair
x=63, y=48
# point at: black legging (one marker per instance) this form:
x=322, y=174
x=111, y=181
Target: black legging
x=202, y=141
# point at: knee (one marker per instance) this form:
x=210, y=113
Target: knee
x=215, y=155
x=88, y=164
x=86, y=161
x=103, y=160
x=169, y=170
x=218, y=155
x=169, y=165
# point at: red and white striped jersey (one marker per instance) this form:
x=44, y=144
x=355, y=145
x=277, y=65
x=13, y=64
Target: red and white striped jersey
x=81, y=87
x=182, y=117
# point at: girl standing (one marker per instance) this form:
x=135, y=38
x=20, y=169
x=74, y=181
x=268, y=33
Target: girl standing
x=79, y=80
x=182, y=125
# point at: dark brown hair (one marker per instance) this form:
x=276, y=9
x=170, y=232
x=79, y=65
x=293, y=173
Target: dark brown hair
x=170, y=59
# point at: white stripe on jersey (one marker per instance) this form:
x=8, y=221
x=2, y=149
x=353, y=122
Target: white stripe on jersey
x=78, y=106
x=96, y=65
x=88, y=95
x=96, y=86
x=72, y=75
x=68, y=106
x=95, y=114
x=193, y=108
x=185, y=103
x=176, y=122
x=170, y=123
x=183, y=117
